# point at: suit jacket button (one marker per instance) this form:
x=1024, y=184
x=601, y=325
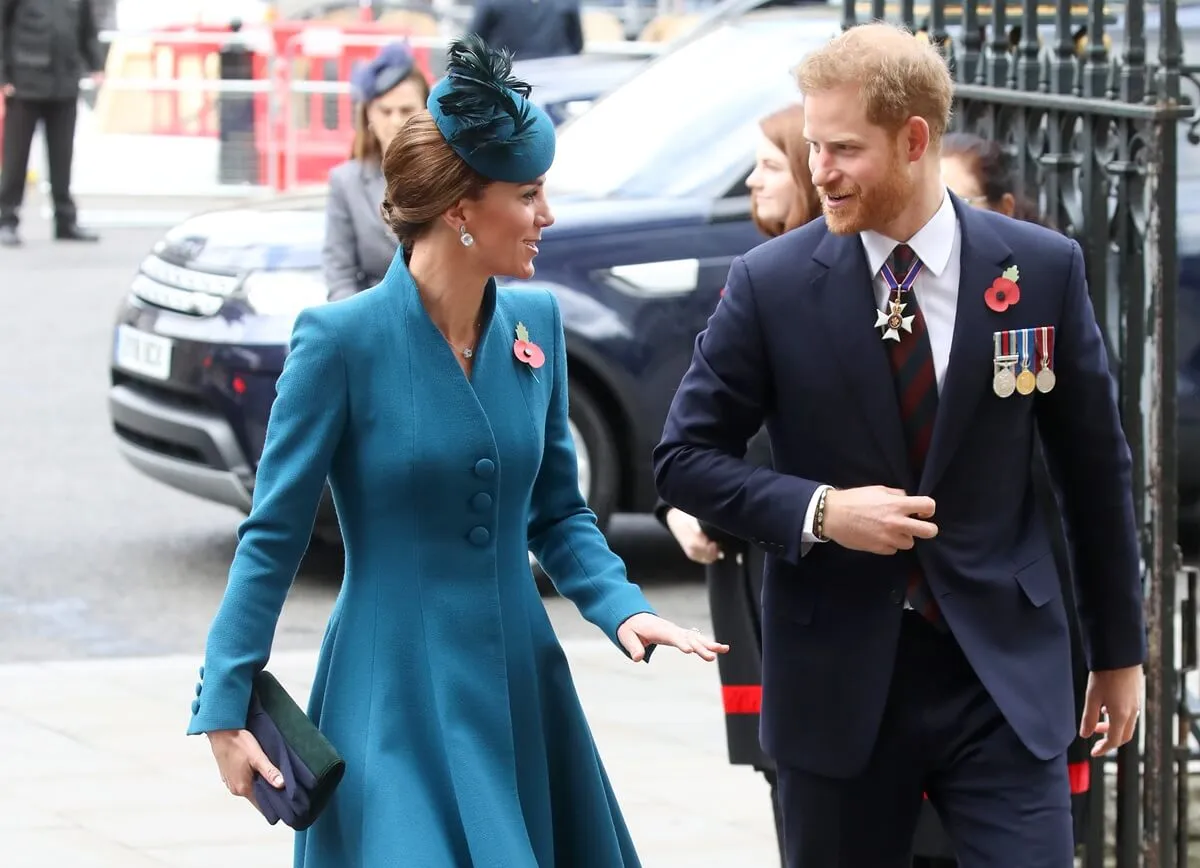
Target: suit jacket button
x=896, y=597
x=199, y=687
x=201, y=671
x=195, y=706
x=481, y=501
x=484, y=468
x=479, y=536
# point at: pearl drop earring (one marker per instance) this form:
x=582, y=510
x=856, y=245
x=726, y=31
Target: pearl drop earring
x=464, y=236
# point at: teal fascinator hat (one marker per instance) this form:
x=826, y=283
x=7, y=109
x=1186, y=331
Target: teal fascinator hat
x=485, y=114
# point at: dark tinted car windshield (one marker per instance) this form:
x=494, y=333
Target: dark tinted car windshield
x=687, y=124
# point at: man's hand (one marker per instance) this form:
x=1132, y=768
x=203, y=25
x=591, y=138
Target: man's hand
x=1117, y=694
x=877, y=519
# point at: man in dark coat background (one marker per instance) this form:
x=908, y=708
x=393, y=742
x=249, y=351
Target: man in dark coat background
x=530, y=28
x=46, y=47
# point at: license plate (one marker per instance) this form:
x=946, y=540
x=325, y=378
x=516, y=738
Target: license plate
x=142, y=353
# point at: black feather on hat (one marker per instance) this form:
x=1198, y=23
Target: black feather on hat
x=486, y=116
x=482, y=97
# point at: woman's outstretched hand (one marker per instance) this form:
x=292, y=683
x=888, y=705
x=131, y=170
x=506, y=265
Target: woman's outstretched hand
x=645, y=629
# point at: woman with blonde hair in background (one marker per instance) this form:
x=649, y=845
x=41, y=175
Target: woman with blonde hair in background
x=359, y=246
x=782, y=198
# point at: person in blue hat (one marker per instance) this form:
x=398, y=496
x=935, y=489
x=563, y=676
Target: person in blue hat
x=435, y=403
x=358, y=245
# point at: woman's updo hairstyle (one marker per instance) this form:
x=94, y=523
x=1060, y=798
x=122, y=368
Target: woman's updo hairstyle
x=425, y=178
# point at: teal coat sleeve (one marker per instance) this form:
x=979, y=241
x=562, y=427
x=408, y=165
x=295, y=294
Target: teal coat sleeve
x=563, y=534
x=305, y=426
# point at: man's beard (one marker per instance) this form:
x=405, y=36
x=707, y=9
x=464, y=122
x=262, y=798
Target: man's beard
x=873, y=208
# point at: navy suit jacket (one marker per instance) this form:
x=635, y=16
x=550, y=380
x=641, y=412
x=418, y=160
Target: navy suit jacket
x=791, y=344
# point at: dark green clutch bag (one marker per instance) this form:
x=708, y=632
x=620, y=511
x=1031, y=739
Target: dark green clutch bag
x=311, y=766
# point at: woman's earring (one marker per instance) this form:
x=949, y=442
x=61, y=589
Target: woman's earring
x=465, y=237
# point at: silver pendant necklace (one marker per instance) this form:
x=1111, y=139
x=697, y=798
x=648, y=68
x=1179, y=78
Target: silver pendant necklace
x=469, y=352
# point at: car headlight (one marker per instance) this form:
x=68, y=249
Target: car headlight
x=285, y=292
x=573, y=108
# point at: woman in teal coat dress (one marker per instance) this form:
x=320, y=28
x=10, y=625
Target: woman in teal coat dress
x=436, y=405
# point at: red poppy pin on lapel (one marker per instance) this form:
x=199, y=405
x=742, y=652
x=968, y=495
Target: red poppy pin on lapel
x=1004, y=292
x=526, y=350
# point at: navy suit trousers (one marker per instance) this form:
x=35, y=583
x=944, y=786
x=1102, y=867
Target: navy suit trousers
x=942, y=737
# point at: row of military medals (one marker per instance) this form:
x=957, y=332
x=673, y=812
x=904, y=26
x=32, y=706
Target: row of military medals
x=1017, y=353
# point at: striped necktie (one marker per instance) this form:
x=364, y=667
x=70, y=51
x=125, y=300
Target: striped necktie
x=916, y=388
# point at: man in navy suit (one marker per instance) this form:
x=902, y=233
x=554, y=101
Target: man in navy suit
x=904, y=353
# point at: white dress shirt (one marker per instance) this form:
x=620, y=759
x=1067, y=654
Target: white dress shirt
x=938, y=245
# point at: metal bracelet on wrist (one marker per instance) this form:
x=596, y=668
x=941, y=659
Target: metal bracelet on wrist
x=819, y=519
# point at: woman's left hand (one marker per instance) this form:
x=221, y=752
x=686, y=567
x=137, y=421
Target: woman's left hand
x=645, y=629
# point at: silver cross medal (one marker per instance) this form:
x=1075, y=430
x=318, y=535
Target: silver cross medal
x=893, y=320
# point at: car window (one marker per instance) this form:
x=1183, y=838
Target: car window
x=738, y=188
x=685, y=125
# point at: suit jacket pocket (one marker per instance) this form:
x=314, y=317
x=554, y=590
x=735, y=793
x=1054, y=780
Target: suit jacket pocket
x=31, y=58
x=1039, y=580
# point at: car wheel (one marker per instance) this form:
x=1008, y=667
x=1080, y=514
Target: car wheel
x=596, y=455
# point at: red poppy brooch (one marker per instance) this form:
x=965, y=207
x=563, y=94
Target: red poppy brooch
x=526, y=350
x=1004, y=292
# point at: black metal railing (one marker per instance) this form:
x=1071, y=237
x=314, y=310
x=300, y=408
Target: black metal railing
x=1086, y=98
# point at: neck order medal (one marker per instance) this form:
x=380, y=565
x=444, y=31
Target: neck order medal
x=892, y=320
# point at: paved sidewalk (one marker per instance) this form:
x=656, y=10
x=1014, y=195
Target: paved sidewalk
x=100, y=775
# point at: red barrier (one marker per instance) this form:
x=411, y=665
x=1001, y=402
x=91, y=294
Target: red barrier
x=317, y=129
x=311, y=132
x=186, y=113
